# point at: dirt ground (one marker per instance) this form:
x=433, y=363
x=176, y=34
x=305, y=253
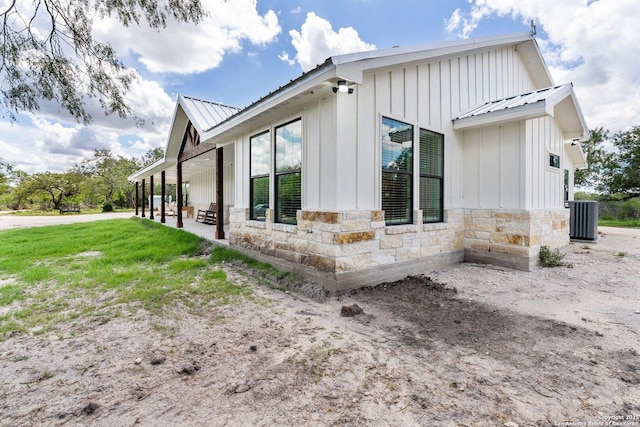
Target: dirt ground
x=472, y=345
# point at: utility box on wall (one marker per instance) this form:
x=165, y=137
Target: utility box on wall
x=583, y=223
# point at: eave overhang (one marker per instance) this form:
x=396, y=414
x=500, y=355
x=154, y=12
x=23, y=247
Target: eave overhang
x=558, y=102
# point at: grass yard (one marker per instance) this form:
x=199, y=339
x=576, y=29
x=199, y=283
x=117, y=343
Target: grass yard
x=624, y=223
x=55, y=274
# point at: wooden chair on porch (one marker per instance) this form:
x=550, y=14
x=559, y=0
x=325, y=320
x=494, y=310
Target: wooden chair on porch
x=207, y=216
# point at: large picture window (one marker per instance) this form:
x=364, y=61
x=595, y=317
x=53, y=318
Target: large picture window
x=431, y=175
x=288, y=171
x=397, y=171
x=260, y=166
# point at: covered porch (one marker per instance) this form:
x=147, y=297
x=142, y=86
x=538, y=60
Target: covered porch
x=199, y=173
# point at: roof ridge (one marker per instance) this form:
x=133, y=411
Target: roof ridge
x=195, y=98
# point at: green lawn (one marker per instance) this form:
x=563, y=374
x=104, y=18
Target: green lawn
x=57, y=274
x=626, y=223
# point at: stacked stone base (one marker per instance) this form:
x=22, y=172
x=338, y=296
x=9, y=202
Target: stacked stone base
x=351, y=249
x=511, y=238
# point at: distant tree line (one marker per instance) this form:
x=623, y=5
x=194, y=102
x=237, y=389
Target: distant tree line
x=96, y=182
x=613, y=176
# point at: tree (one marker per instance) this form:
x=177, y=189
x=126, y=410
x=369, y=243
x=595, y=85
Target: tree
x=622, y=167
x=5, y=169
x=54, y=187
x=613, y=170
x=107, y=175
x=60, y=61
x=151, y=156
x=596, y=155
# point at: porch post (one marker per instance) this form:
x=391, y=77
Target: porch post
x=179, y=194
x=143, y=197
x=137, y=187
x=219, y=194
x=151, y=197
x=164, y=195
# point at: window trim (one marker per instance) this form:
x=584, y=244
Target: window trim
x=411, y=173
x=276, y=199
x=252, y=177
x=550, y=166
x=440, y=178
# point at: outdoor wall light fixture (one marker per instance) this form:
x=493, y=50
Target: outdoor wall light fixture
x=342, y=87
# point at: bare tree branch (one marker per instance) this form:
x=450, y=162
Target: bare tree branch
x=63, y=63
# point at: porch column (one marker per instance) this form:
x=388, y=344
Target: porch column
x=143, y=197
x=219, y=194
x=164, y=195
x=151, y=197
x=136, y=203
x=179, y=194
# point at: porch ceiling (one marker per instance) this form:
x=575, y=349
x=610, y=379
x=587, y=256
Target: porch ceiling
x=191, y=167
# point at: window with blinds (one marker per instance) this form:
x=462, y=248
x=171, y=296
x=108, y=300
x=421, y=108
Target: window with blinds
x=260, y=146
x=431, y=176
x=397, y=171
x=288, y=171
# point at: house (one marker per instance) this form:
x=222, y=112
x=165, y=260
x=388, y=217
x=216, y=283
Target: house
x=381, y=164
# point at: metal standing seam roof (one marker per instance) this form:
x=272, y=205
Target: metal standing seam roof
x=205, y=114
x=513, y=102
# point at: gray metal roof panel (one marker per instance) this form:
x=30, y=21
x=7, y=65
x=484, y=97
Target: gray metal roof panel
x=514, y=101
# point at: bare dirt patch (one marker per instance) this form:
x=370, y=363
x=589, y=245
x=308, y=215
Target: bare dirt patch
x=469, y=345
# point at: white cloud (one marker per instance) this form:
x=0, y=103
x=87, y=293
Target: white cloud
x=284, y=57
x=593, y=44
x=316, y=41
x=186, y=48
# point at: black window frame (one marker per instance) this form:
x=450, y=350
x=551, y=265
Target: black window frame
x=431, y=175
x=396, y=173
x=279, y=176
x=253, y=210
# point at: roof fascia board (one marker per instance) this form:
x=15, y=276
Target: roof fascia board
x=309, y=81
x=522, y=112
x=190, y=114
x=585, y=129
x=353, y=65
x=535, y=63
x=434, y=49
x=152, y=169
x=576, y=153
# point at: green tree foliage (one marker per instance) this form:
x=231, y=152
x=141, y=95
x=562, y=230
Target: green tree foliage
x=594, y=150
x=151, y=156
x=48, y=52
x=616, y=170
x=622, y=167
x=106, y=177
x=53, y=189
x=5, y=169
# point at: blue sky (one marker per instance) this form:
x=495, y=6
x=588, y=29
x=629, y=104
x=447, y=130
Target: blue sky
x=247, y=48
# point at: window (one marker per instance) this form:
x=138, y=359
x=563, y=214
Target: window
x=554, y=160
x=260, y=165
x=288, y=171
x=431, y=175
x=397, y=171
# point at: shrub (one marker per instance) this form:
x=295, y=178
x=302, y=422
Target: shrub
x=549, y=258
x=107, y=207
x=630, y=209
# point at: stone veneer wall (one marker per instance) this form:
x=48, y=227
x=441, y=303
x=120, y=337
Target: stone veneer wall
x=352, y=248
x=512, y=238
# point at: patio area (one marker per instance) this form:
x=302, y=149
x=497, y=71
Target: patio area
x=199, y=229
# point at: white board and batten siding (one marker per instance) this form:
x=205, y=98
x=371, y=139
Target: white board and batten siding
x=202, y=185
x=430, y=95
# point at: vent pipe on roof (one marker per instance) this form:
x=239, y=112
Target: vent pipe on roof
x=533, y=27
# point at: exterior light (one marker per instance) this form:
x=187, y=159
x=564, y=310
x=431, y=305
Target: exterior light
x=342, y=87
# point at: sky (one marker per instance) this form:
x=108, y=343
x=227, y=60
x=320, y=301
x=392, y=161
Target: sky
x=245, y=49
